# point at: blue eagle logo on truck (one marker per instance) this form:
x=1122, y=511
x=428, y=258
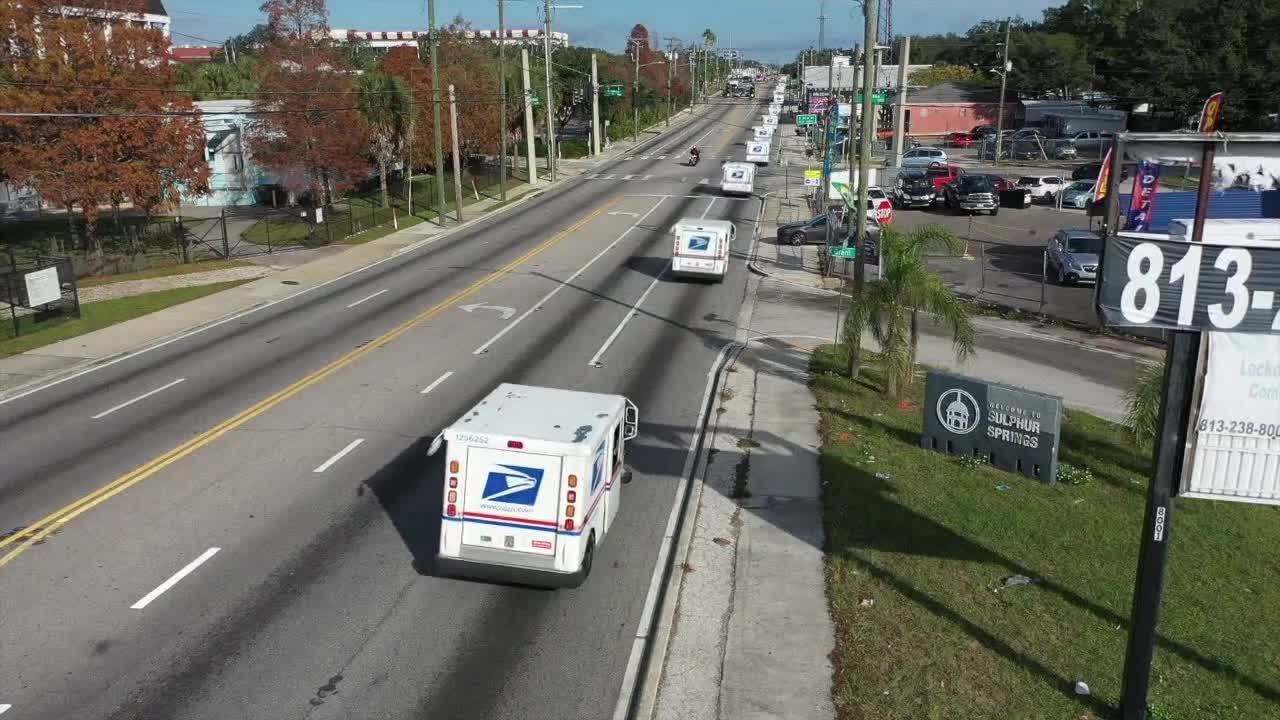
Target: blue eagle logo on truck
x=699, y=242
x=513, y=484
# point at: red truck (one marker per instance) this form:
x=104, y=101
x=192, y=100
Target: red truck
x=943, y=174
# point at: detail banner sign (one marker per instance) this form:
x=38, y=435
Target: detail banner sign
x=1011, y=428
x=1144, y=196
x=1235, y=437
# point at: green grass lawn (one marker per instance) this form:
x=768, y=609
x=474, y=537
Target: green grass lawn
x=163, y=271
x=96, y=316
x=930, y=541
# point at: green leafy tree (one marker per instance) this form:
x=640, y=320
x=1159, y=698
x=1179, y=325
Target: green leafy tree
x=890, y=306
x=219, y=80
x=1048, y=64
x=1142, y=402
x=388, y=107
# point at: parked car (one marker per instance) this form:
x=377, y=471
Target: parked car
x=1093, y=142
x=1079, y=194
x=1073, y=254
x=806, y=232
x=960, y=140
x=1008, y=193
x=1043, y=187
x=972, y=193
x=983, y=131
x=941, y=175
x=914, y=188
x=924, y=157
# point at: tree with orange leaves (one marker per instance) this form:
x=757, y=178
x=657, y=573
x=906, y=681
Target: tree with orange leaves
x=308, y=129
x=110, y=132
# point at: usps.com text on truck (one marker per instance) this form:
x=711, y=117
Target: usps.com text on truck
x=533, y=483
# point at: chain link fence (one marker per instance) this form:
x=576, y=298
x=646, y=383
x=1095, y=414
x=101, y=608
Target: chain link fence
x=36, y=291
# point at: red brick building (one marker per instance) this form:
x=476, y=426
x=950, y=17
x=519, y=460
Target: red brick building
x=949, y=107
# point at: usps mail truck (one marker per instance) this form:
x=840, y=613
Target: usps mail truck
x=758, y=151
x=532, y=485
x=701, y=248
x=738, y=178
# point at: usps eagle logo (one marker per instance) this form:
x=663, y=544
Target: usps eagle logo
x=513, y=484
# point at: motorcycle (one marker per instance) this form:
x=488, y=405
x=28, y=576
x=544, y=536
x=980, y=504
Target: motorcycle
x=693, y=159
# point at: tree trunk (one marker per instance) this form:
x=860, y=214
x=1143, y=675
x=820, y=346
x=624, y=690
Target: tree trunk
x=382, y=178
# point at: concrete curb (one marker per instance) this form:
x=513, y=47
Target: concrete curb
x=45, y=381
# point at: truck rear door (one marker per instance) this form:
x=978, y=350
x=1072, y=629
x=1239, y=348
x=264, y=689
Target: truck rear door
x=697, y=249
x=511, y=500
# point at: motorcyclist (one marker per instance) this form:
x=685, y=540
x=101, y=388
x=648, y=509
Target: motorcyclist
x=694, y=155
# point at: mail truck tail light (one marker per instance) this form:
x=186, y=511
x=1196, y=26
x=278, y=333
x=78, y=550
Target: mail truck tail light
x=451, y=510
x=453, y=496
x=568, y=524
x=453, y=482
x=454, y=466
x=573, y=481
x=568, y=511
x=515, y=444
x=571, y=496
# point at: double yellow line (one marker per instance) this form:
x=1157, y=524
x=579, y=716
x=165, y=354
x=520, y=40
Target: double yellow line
x=45, y=526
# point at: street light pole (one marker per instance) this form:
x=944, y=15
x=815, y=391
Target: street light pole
x=867, y=124
x=635, y=88
x=1004, y=79
x=435, y=109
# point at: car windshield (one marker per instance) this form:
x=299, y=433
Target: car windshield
x=974, y=183
x=1029, y=181
x=1082, y=186
x=1084, y=244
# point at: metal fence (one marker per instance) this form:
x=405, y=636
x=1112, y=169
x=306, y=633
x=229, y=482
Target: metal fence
x=34, y=296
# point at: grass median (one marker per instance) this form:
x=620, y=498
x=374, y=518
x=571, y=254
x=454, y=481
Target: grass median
x=96, y=316
x=919, y=546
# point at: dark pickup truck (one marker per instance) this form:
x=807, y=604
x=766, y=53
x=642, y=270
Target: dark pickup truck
x=972, y=193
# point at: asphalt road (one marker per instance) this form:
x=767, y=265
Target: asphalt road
x=281, y=460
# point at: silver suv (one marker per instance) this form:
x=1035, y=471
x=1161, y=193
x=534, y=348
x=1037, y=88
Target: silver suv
x=1073, y=254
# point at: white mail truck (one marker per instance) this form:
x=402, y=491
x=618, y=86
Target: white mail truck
x=738, y=178
x=758, y=151
x=701, y=248
x=532, y=483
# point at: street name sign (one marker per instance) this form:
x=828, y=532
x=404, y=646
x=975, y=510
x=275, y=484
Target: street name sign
x=807, y=119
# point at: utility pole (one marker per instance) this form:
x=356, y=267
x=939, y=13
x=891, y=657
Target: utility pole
x=457, y=156
x=1004, y=79
x=528, y=117
x=595, y=107
x=864, y=152
x=435, y=109
x=670, y=63
x=822, y=24
x=502, y=78
x=693, y=79
x=551, y=105
x=635, y=88
x=413, y=130
x=900, y=119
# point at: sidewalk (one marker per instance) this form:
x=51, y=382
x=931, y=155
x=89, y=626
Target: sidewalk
x=63, y=358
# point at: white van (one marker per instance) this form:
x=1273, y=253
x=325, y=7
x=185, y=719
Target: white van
x=738, y=178
x=701, y=248
x=532, y=483
x=762, y=132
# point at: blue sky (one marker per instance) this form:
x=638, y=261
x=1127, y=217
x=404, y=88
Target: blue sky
x=768, y=29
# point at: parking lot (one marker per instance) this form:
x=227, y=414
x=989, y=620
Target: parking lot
x=1004, y=258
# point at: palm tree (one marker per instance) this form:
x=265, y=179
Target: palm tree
x=387, y=106
x=709, y=37
x=890, y=306
x=1142, y=402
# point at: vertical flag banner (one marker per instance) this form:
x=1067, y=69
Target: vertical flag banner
x=1212, y=112
x=1143, y=200
x=1103, y=185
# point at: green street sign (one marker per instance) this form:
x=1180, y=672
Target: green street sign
x=877, y=98
x=844, y=252
x=614, y=91
x=534, y=101
x=806, y=120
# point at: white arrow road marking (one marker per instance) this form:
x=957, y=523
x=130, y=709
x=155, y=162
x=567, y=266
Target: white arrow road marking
x=624, y=212
x=646, y=177
x=704, y=181
x=140, y=398
x=174, y=580
x=437, y=383
x=661, y=157
x=506, y=312
x=4, y=708
x=628, y=177
x=339, y=455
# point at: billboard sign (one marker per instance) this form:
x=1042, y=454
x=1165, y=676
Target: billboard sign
x=1234, y=438
x=1011, y=428
x=818, y=103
